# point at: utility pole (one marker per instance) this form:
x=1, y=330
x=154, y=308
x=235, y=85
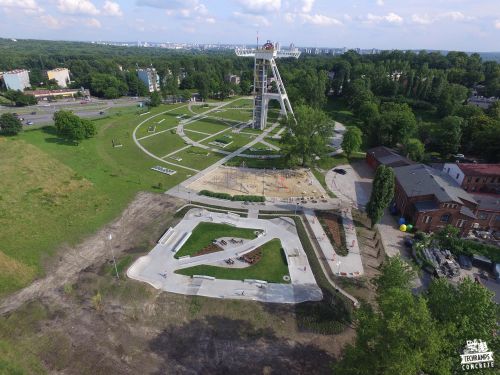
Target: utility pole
x=110, y=237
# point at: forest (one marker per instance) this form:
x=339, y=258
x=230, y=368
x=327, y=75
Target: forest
x=413, y=101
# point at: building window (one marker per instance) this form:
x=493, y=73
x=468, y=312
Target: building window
x=482, y=216
x=469, y=179
x=427, y=219
x=478, y=179
x=497, y=218
x=460, y=223
x=473, y=188
x=445, y=218
x=458, y=175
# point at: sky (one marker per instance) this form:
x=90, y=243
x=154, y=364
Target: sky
x=468, y=25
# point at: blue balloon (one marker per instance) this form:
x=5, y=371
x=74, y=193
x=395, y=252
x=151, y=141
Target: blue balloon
x=402, y=221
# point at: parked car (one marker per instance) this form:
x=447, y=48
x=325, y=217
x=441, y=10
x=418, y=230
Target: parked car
x=465, y=262
x=459, y=156
x=29, y=123
x=340, y=171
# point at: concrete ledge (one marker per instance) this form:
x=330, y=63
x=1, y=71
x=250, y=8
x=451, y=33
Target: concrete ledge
x=203, y=277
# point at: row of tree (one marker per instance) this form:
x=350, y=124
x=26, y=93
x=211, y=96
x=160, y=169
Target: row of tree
x=424, y=334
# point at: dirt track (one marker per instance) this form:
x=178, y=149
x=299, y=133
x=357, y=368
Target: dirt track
x=144, y=209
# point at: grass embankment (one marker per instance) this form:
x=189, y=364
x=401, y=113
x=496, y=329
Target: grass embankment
x=204, y=233
x=271, y=267
x=274, y=163
x=54, y=192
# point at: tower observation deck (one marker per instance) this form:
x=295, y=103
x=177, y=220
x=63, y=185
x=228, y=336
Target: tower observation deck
x=265, y=73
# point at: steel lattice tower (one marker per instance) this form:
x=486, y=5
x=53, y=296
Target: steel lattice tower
x=265, y=71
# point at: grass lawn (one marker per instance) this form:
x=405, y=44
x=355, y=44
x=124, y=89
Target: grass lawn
x=197, y=158
x=275, y=142
x=204, y=233
x=237, y=140
x=56, y=192
x=162, y=122
x=278, y=163
x=338, y=109
x=260, y=149
x=163, y=144
x=271, y=267
x=321, y=179
x=242, y=103
x=195, y=136
x=330, y=162
x=233, y=114
x=207, y=126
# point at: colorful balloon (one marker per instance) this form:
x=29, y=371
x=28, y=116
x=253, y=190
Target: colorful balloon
x=402, y=228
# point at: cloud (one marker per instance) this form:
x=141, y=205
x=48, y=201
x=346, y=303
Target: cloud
x=307, y=5
x=260, y=6
x=426, y=19
x=51, y=22
x=380, y=3
x=92, y=23
x=77, y=7
x=111, y=8
x=497, y=24
x=253, y=19
x=28, y=6
x=319, y=20
x=391, y=18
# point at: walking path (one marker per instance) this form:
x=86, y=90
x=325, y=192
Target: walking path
x=349, y=265
x=158, y=267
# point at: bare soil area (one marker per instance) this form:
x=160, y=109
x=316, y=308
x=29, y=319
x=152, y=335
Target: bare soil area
x=81, y=320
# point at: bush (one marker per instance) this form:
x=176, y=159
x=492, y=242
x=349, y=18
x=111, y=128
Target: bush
x=229, y=197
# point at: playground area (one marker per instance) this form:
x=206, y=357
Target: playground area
x=279, y=183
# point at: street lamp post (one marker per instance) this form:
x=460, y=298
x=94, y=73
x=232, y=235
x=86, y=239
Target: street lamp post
x=110, y=237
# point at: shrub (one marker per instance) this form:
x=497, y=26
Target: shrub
x=229, y=197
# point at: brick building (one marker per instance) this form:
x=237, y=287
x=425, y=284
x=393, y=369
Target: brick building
x=430, y=199
x=385, y=156
x=488, y=212
x=481, y=178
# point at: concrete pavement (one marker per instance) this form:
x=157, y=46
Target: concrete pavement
x=158, y=267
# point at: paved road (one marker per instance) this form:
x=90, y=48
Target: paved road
x=158, y=267
x=355, y=186
x=44, y=111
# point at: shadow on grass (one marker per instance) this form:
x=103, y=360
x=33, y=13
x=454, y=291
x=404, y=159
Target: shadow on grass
x=56, y=139
x=218, y=345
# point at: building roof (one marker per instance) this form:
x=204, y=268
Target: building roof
x=419, y=179
x=464, y=210
x=57, y=70
x=16, y=71
x=488, y=202
x=388, y=156
x=480, y=169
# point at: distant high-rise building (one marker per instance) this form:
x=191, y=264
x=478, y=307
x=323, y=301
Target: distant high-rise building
x=150, y=78
x=61, y=75
x=17, y=79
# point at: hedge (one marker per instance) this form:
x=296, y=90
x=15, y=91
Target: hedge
x=229, y=197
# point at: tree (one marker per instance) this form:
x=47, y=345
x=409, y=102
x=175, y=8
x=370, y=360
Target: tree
x=70, y=126
x=448, y=134
x=306, y=136
x=494, y=111
x=353, y=138
x=400, y=337
x=414, y=149
x=395, y=124
x=10, y=124
x=382, y=193
x=154, y=99
x=19, y=99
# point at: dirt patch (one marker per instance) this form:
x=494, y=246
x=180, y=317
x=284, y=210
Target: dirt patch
x=271, y=183
x=332, y=225
x=212, y=248
x=253, y=256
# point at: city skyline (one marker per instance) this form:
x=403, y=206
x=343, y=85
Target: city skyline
x=380, y=24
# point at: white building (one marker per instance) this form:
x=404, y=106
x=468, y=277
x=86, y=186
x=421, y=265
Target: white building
x=61, y=75
x=17, y=79
x=150, y=78
x=453, y=169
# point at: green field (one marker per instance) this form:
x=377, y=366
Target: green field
x=170, y=120
x=163, y=143
x=204, y=233
x=271, y=267
x=237, y=141
x=197, y=158
x=195, y=136
x=53, y=192
x=260, y=149
x=207, y=126
x=237, y=161
x=233, y=114
x=242, y=103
